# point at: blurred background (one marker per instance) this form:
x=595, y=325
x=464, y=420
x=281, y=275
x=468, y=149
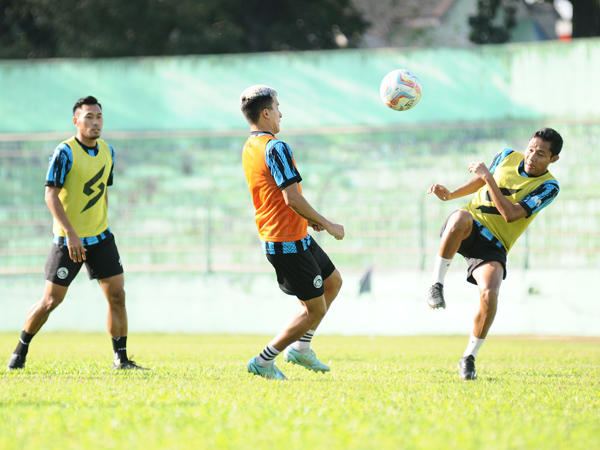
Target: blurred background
x=169, y=76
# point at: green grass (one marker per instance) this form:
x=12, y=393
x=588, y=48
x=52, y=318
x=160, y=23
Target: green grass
x=382, y=393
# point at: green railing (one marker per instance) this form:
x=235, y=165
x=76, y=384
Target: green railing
x=181, y=204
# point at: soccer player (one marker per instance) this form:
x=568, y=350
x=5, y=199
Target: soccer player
x=514, y=189
x=80, y=170
x=282, y=216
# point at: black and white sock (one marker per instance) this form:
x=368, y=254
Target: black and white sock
x=23, y=345
x=266, y=357
x=304, y=342
x=120, y=348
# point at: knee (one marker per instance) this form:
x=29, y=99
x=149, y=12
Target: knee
x=50, y=302
x=337, y=281
x=117, y=298
x=319, y=313
x=333, y=284
x=460, y=221
x=489, y=297
x=319, y=309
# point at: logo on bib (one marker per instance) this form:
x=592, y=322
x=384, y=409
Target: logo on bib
x=62, y=273
x=318, y=281
x=88, y=189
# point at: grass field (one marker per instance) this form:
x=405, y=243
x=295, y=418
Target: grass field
x=382, y=393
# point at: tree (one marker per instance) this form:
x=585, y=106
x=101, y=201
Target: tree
x=586, y=18
x=108, y=28
x=487, y=27
x=21, y=35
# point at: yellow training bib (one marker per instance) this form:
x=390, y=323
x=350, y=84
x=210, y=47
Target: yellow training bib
x=83, y=195
x=514, y=187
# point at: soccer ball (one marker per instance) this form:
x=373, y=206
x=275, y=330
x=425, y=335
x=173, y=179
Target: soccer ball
x=400, y=90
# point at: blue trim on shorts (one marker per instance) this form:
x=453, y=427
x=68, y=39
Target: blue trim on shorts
x=489, y=235
x=86, y=241
x=286, y=248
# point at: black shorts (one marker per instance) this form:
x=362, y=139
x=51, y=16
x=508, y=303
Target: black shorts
x=102, y=261
x=302, y=274
x=477, y=249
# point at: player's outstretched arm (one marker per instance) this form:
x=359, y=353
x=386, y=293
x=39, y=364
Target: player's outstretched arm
x=295, y=200
x=441, y=192
x=444, y=193
x=76, y=248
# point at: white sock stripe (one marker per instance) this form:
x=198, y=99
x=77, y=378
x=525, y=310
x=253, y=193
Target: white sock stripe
x=269, y=354
x=308, y=336
x=23, y=342
x=273, y=350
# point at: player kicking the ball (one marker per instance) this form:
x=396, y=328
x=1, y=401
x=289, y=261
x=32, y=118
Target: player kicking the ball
x=282, y=216
x=510, y=194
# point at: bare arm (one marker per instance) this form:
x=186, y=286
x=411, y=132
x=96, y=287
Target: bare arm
x=295, y=200
x=510, y=211
x=444, y=194
x=76, y=248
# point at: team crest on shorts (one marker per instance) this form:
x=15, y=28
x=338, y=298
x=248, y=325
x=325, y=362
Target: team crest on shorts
x=318, y=281
x=62, y=273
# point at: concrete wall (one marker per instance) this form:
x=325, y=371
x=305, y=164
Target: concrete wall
x=531, y=302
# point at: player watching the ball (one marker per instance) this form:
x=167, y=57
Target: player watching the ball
x=81, y=169
x=510, y=193
x=282, y=216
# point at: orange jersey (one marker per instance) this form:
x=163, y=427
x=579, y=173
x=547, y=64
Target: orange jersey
x=270, y=167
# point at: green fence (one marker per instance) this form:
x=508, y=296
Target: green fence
x=551, y=80
x=181, y=204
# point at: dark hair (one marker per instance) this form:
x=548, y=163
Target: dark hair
x=552, y=136
x=255, y=99
x=89, y=100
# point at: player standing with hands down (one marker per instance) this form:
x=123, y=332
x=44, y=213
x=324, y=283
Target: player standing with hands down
x=282, y=216
x=80, y=170
x=514, y=189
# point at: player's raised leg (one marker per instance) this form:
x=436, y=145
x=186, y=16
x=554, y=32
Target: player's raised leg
x=456, y=230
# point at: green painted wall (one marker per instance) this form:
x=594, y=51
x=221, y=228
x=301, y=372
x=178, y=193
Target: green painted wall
x=553, y=80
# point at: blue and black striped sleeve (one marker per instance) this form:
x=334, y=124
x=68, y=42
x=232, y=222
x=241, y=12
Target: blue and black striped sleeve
x=500, y=156
x=281, y=163
x=112, y=168
x=61, y=162
x=540, y=197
